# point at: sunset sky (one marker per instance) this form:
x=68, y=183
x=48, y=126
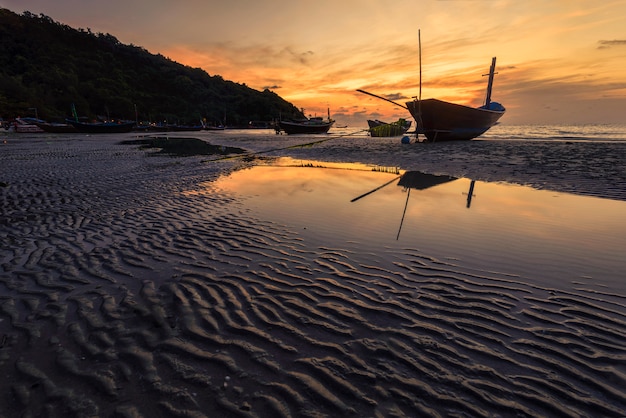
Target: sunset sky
x=558, y=61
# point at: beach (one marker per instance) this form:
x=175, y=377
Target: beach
x=133, y=284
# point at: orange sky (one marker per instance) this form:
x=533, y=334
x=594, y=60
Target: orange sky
x=558, y=61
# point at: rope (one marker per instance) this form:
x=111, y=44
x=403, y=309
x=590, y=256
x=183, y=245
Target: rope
x=252, y=154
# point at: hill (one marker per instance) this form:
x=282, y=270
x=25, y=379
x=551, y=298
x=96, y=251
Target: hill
x=49, y=66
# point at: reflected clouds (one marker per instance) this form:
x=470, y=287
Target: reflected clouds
x=509, y=228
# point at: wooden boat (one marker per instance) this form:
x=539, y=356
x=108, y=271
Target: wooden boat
x=185, y=128
x=213, y=128
x=309, y=126
x=102, y=127
x=57, y=128
x=315, y=125
x=438, y=120
x=27, y=125
x=384, y=129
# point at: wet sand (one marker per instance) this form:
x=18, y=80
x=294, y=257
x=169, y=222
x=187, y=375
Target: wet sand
x=127, y=290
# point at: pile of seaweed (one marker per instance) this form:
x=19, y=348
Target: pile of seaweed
x=183, y=147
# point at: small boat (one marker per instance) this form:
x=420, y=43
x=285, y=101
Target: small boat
x=27, y=125
x=258, y=124
x=438, y=120
x=57, y=128
x=102, y=127
x=213, y=128
x=185, y=128
x=315, y=125
x=384, y=129
x=309, y=126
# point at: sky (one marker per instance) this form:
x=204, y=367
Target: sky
x=558, y=61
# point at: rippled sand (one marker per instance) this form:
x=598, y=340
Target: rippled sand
x=127, y=290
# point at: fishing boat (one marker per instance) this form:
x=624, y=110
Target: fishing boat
x=213, y=127
x=56, y=128
x=384, y=129
x=314, y=125
x=102, y=127
x=27, y=125
x=438, y=120
x=185, y=128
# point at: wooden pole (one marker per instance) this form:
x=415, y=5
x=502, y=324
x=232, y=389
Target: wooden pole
x=382, y=98
x=420, y=123
x=490, y=82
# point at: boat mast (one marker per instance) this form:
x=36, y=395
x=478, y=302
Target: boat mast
x=490, y=83
x=419, y=42
x=420, y=123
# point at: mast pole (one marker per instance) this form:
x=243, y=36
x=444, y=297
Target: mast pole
x=420, y=123
x=419, y=42
x=492, y=70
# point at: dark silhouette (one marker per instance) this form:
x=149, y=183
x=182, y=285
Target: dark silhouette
x=49, y=66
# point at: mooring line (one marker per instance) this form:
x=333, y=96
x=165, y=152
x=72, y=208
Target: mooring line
x=252, y=154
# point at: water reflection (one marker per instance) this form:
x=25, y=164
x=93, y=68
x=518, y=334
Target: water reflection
x=418, y=181
x=540, y=234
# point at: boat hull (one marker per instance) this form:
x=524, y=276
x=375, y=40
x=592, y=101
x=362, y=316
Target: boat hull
x=27, y=125
x=57, y=128
x=102, y=128
x=444, y=121
x=291, y=128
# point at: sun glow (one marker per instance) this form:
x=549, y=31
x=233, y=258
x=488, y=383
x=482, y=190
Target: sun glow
x=562, y=53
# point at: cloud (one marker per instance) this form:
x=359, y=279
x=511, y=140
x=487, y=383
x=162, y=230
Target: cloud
x=395, y=96
x=602, y=44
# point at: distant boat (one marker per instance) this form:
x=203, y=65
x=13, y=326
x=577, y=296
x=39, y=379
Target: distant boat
x=57, y=128
x=259, y=124
x=443, y=121
x=213, y=128
x=309, y=126
x=102, y=127
x=315, y=125
x=27, y=125
x=185, y=128
x=384, y=129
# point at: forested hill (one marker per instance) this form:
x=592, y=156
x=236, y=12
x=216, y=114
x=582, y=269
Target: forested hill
x=50, y=66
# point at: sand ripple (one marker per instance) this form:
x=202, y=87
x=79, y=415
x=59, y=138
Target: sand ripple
x=127, y=291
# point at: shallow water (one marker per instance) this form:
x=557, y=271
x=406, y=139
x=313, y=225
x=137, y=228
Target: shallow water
x=545, y=236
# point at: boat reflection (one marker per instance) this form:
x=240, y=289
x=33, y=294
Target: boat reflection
x=470, y=194
x=511, y=227
x=418, y=181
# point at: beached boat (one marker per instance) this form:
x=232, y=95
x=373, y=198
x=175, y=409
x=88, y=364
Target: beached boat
x=309, y=126
x=384, y=129
x=56, y=128
x=26, y=125
x=102, y=127
x=185, y=128
x=314, y=125
x=438, y=120
x=213, y=128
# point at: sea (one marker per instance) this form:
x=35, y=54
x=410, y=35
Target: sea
x=588, y=132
